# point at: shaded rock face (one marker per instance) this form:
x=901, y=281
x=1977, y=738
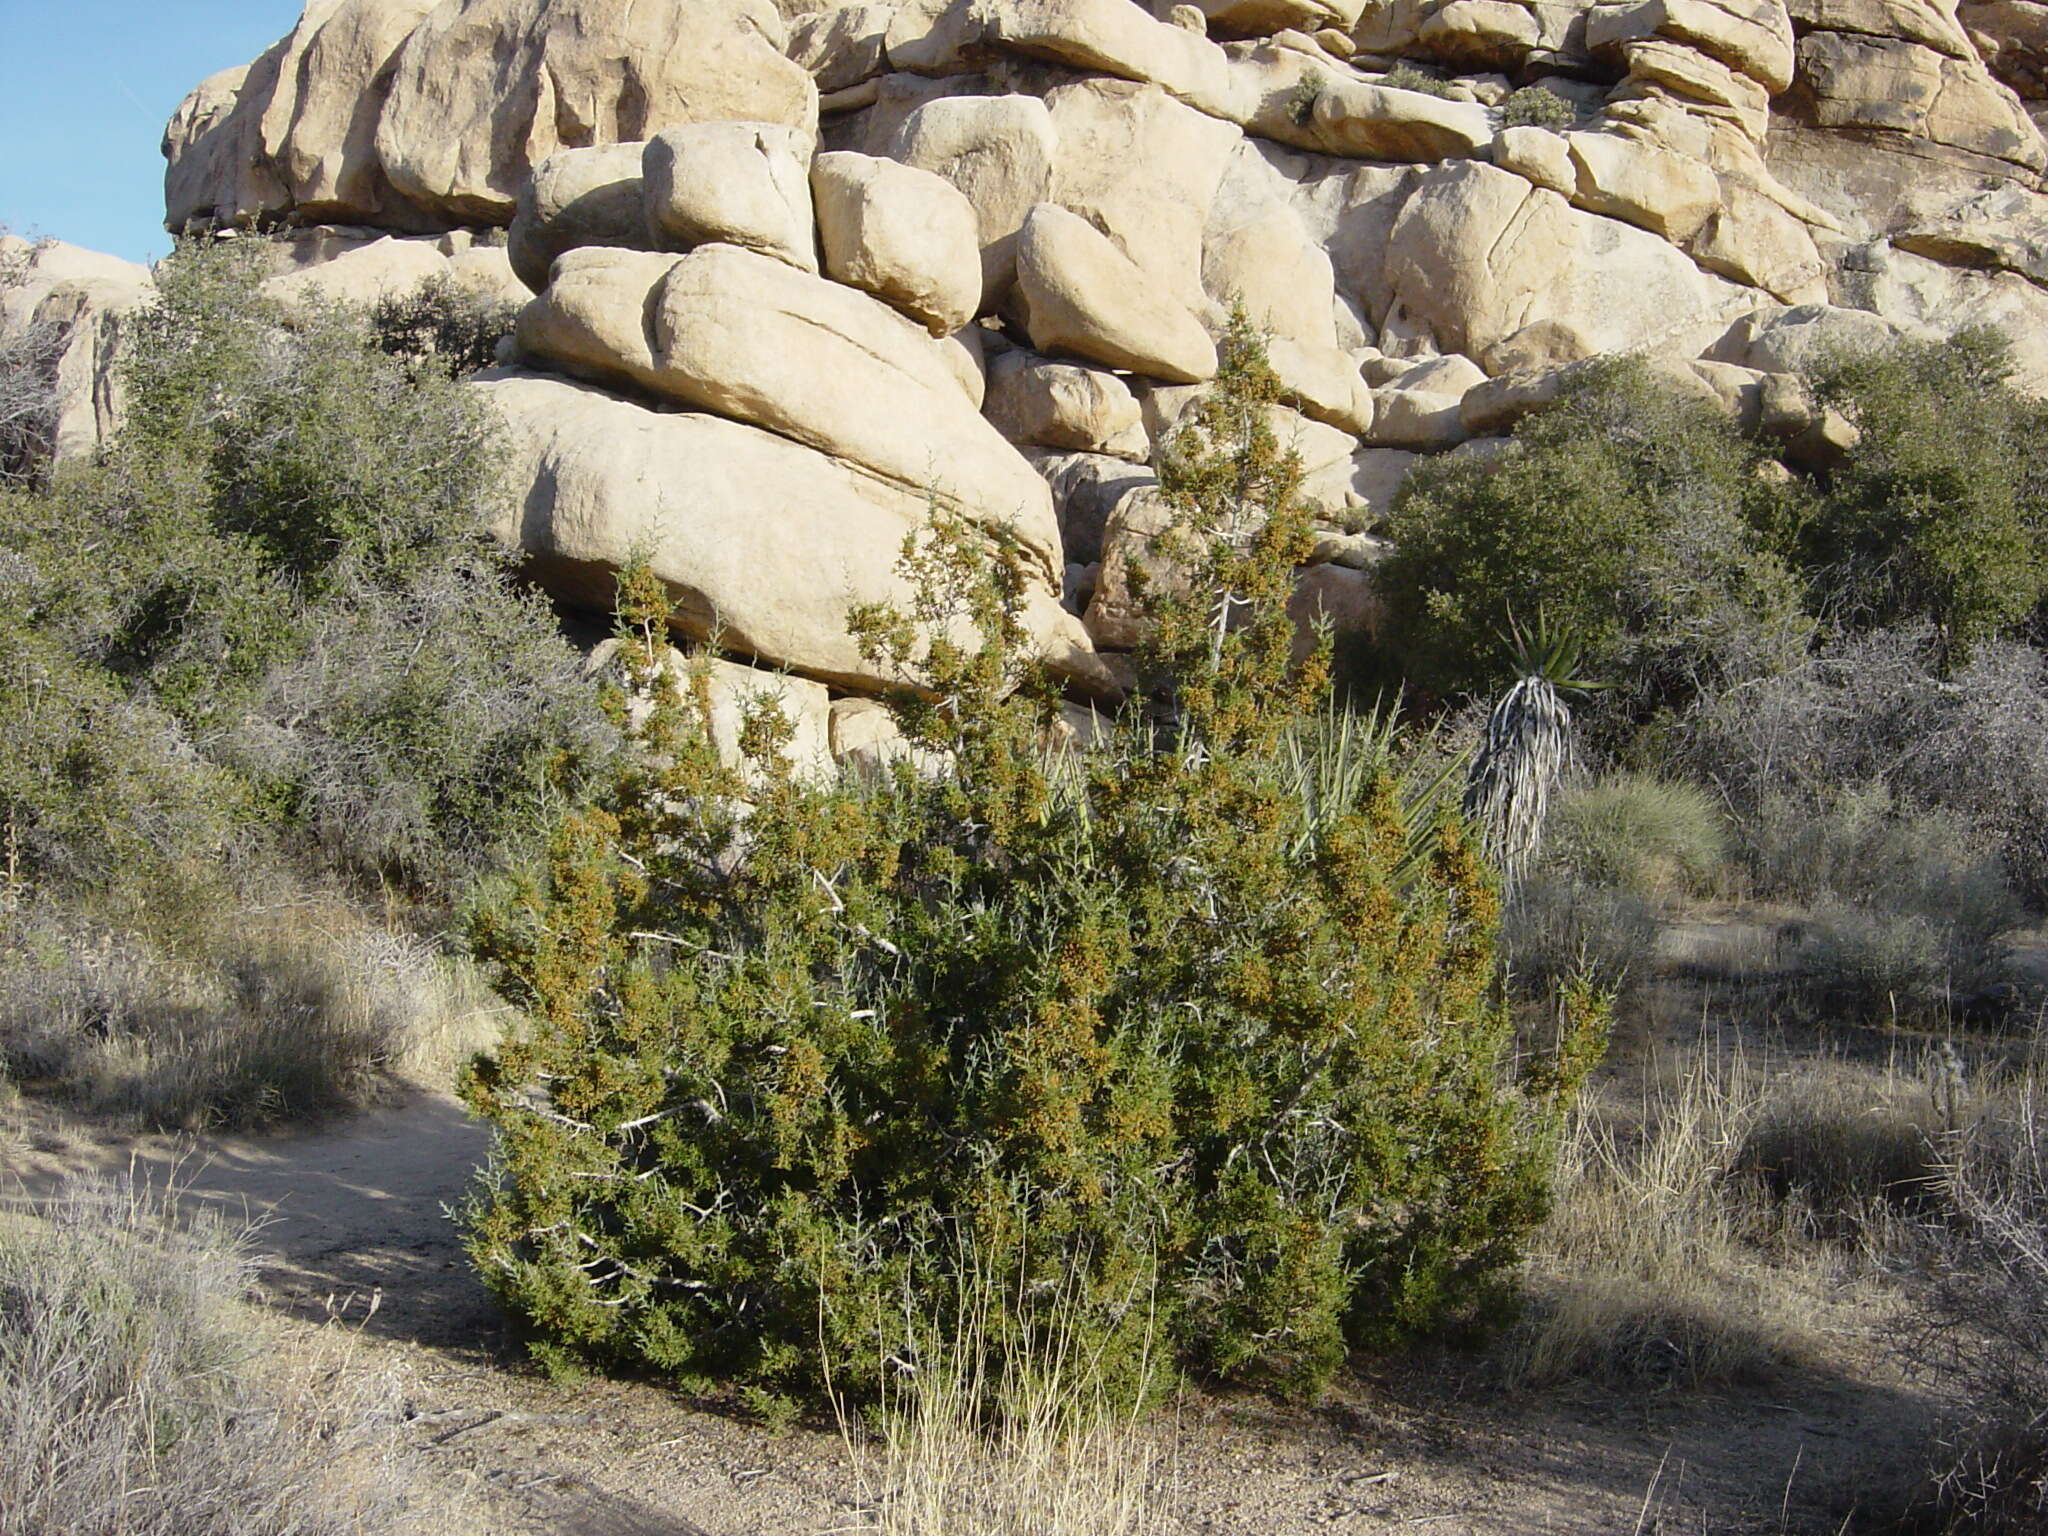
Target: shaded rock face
x=797, y=267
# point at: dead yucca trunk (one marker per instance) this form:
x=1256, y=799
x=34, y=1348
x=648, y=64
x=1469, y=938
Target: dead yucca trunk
x=1526, y=750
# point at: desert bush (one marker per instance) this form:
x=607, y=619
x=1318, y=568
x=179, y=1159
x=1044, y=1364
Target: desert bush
x=137, y=1398
x=275, y=609
x=30, y=348
x=1970, y=742
x=1534, y=107
x=1904, y=919
x=1990, y=1311
x=1405, y=76
x=419, y=729
x=1940, y=512
x=443, y=324
x=95, y=783
x=1204, y=1041
x=1655, y=838
x=287, y=1015
x=1626, y=516
x=1558, y=927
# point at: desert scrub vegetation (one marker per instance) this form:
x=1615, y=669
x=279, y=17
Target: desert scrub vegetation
x=30, y=348
x=1219, y=1064
x=1838, y=666
x=1990, y=1317
x=1939, y=514
x=280, y=1013
x=1695, y=1230
x=1641, y=521
x=141, y=1396
x=260, y=655
x=988, y=1440
x=1626, y=517
x=443, y=325
x=1534, y=107
x=1405, y=76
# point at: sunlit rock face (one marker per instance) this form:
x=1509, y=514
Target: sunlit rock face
x=793, y=271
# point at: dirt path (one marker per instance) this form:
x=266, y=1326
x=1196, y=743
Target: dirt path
x=355, y=1235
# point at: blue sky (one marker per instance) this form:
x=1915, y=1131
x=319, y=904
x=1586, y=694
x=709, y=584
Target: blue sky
x=85, y=86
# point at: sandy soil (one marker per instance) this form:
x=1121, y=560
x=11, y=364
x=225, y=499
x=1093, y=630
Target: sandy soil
x=356, y=1235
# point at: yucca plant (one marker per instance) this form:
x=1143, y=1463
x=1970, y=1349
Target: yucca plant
x=1528, y=747
x=1333, y=758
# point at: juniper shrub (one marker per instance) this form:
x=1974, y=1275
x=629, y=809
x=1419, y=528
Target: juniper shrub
x=1207, y=1060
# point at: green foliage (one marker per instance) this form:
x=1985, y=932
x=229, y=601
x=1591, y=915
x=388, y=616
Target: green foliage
x=1301, y=102
x=273, y=607
x=1627, y=516
x=1192, y=1054
x=1649, y=836
x=1940, y=512
x=444, y=325
x=1406, y=77
x=1534, y=107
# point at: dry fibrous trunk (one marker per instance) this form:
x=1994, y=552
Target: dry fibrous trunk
x=1527, y=749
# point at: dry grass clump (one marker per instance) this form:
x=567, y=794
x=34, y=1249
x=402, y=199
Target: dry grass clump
x=1845, y=1156
x=139, y=1398
x=1557, y=927
x=1689, y=1230
x=979, y=1440
x=287, y=1013
x=1989, y=1332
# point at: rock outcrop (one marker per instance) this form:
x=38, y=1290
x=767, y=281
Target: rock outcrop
x=77, y=302
x=796, y=269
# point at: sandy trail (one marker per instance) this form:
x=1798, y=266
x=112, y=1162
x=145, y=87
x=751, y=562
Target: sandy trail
x=355, y=1234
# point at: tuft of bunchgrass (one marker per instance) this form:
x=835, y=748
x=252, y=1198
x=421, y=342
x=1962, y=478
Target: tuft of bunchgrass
x=289, y=1014
x=139, y=1397
x=971, y=1438
x=1689, y=1230
x=1653, y=838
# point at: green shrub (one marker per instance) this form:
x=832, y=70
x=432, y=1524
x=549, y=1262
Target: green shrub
x=1651, y=837
x=1940, y=512
x=1406, y=77
x=1534, y=107
x=1301, y=102
x=444, y=325
x=1625, y=516
x=274, y=608
x=1210, y=1061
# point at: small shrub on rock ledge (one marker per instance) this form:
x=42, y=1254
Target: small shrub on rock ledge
x=1534, y=107
x=1195, y=1037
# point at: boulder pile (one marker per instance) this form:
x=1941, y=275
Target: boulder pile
x=796, y=269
